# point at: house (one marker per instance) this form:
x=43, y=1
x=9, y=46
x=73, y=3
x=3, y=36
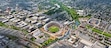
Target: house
x=46, y=20
x=68, y=22
x=29, y=16
x=26, y=27
x=36, y=33
x=10, y=17
x=40, y=37
x=35, y=18
x=98, y=45
x=58, y=6
x=80, y=45
x=23, y=42
x=22, y=24
x=72, y=39
x=28, y=20
x=109, y=28
x=60, y=44
x=83, y=19
x=38, y=24
x=42, y=17
x=88, y=43
x=103, y=24
x=81, y=12
x=31, y=28
x=33, y=21
x=16, y=20
x=109, y=47
x=40, y=40
x=4, y=21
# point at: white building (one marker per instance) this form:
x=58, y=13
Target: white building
x=17, y=20
x=42, y=17
x=81, y=12
x=22, y=24
x=46, y=20
x=39, y=24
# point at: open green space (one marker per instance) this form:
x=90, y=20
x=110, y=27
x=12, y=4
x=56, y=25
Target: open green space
x=89, y=16
x=53, y=29
x=15, y=28
x=3, y=25
x=49, y=41
x=53, y=11
x=106, y=34
x=101, y=32
x=70, y=11
x=11, y=37
x=32, y=39
x=89, y=27
x=97, y=30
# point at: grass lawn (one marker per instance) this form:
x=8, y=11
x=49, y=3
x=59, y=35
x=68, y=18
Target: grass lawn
x=32, y=39
x=3, y=25
x=99, y=31
x=53, y=11
x=11, y=37
x=84, y=17
x=49, y=41
x=53, y=29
